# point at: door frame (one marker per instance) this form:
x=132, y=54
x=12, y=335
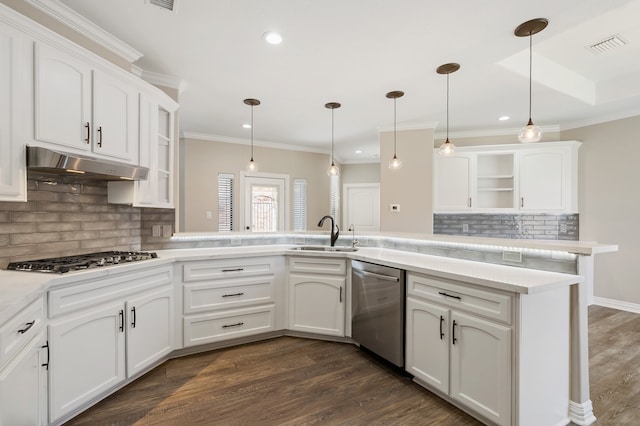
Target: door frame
x=244, y=175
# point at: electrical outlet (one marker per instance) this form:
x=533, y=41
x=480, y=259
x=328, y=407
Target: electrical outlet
x=156, y=231
x=166, y=230
x=512, y=256
x=208, y=215
x=465, y=227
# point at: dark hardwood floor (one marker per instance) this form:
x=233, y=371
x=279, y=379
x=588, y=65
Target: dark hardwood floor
x=293, y=381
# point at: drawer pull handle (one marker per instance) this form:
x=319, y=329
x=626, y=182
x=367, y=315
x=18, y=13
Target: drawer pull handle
x=133, y=317
x=340, y=294
x=121, y=314
x=100, y=136
x=232, y=295
x=453, y=333
x=441, y=332
x=238, y=324
x=233, y=270
x=449, y=295
x=28, y=326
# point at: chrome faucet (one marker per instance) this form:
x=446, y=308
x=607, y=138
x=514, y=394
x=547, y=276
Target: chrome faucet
x=335, y=230
x=354, y=242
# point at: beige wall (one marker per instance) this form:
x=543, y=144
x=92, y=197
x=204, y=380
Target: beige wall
x=360, y=173
x=411, y=186
x=203, y=160
x=609, y=202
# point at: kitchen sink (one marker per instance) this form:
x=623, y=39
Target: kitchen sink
x=324, y=248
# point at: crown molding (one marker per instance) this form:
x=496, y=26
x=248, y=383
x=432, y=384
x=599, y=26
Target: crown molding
x=159, y=79
x=600, y=120
x=185, y=134
x=82, y=25
x=490, y=132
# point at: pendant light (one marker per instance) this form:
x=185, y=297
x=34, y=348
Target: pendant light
x=333, y=170
x=530, y=132
x=395, y=162
x=252, y=166
x=447, y=148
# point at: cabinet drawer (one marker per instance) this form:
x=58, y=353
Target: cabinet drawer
x=314, y=265
x=85, y=294
x=225, y=294
x=227, y=268
x=487, y=303
x=17, y=332
x=214, y=327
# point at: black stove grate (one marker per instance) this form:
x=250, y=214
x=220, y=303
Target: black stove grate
x=79, y=262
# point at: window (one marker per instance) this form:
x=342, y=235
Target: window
x=299, y=204
x=225, y=202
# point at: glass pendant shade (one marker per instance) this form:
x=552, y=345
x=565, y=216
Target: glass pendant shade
x=395, y=163
x=530, y=133
x=447, y=148
x=252, y=166
x=333, y=170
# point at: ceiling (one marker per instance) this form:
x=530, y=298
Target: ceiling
x=355, y=51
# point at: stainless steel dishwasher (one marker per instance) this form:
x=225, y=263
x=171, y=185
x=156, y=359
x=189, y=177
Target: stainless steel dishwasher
x=377, y=309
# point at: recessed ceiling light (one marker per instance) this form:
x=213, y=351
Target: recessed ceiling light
x=358, y=151
x=504, y=118
x=246, y=126
x=272, y=37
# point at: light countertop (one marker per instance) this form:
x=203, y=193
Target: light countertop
x=17, y=289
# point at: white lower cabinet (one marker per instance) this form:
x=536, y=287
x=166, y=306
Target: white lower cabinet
x=103, y=332
x=317, y=293
x=23, y=368
x=457, y=353
x=231, y=298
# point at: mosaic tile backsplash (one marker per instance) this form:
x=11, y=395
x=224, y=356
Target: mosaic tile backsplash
x=518, y=226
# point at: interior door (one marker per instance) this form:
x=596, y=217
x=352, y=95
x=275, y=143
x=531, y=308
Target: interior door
x=362, y=206
x=264, y=201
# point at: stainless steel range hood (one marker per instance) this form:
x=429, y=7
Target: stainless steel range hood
x=48, y=161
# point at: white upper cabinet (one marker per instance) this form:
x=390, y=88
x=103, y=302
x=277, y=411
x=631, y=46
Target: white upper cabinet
x=533, y=178
x=452, y=188
x=13, y=77
x=83, y=109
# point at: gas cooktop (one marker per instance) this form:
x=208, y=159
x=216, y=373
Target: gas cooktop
x=80, y=262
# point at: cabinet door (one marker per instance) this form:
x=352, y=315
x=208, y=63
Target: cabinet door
x=62, y=104
x=544, y=175
x=23, y=387
x=481, y=366
x=316, y=304
x=149, y=328
x=427, y=344
x=115, y=118
x=452, y=183
x=87, y=357
x=13, y=179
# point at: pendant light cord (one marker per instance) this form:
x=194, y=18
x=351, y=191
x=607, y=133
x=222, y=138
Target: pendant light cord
x=332, y=162
x=448, y=107
x=251, y=132
x=530, y=70
x=394, y=128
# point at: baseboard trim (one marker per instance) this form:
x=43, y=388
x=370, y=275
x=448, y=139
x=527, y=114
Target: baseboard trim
x=581, y=414
x=617, y=304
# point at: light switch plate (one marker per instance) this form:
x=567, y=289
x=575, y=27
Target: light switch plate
x=156, y=231
x=166, y=230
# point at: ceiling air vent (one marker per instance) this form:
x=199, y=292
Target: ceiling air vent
x=607, y=45
x=165, y=4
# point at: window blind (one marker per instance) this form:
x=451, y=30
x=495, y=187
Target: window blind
x=299, y=204
x=225, y=202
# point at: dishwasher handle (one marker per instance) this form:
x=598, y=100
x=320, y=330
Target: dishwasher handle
x=379, y=276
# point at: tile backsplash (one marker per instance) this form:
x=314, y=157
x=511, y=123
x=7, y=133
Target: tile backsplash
x=66, y=215
x=518, y=226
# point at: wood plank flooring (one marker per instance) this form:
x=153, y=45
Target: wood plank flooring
x=293, y=381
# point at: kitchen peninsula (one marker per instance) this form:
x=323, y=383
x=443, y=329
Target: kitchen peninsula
x=534, y=308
